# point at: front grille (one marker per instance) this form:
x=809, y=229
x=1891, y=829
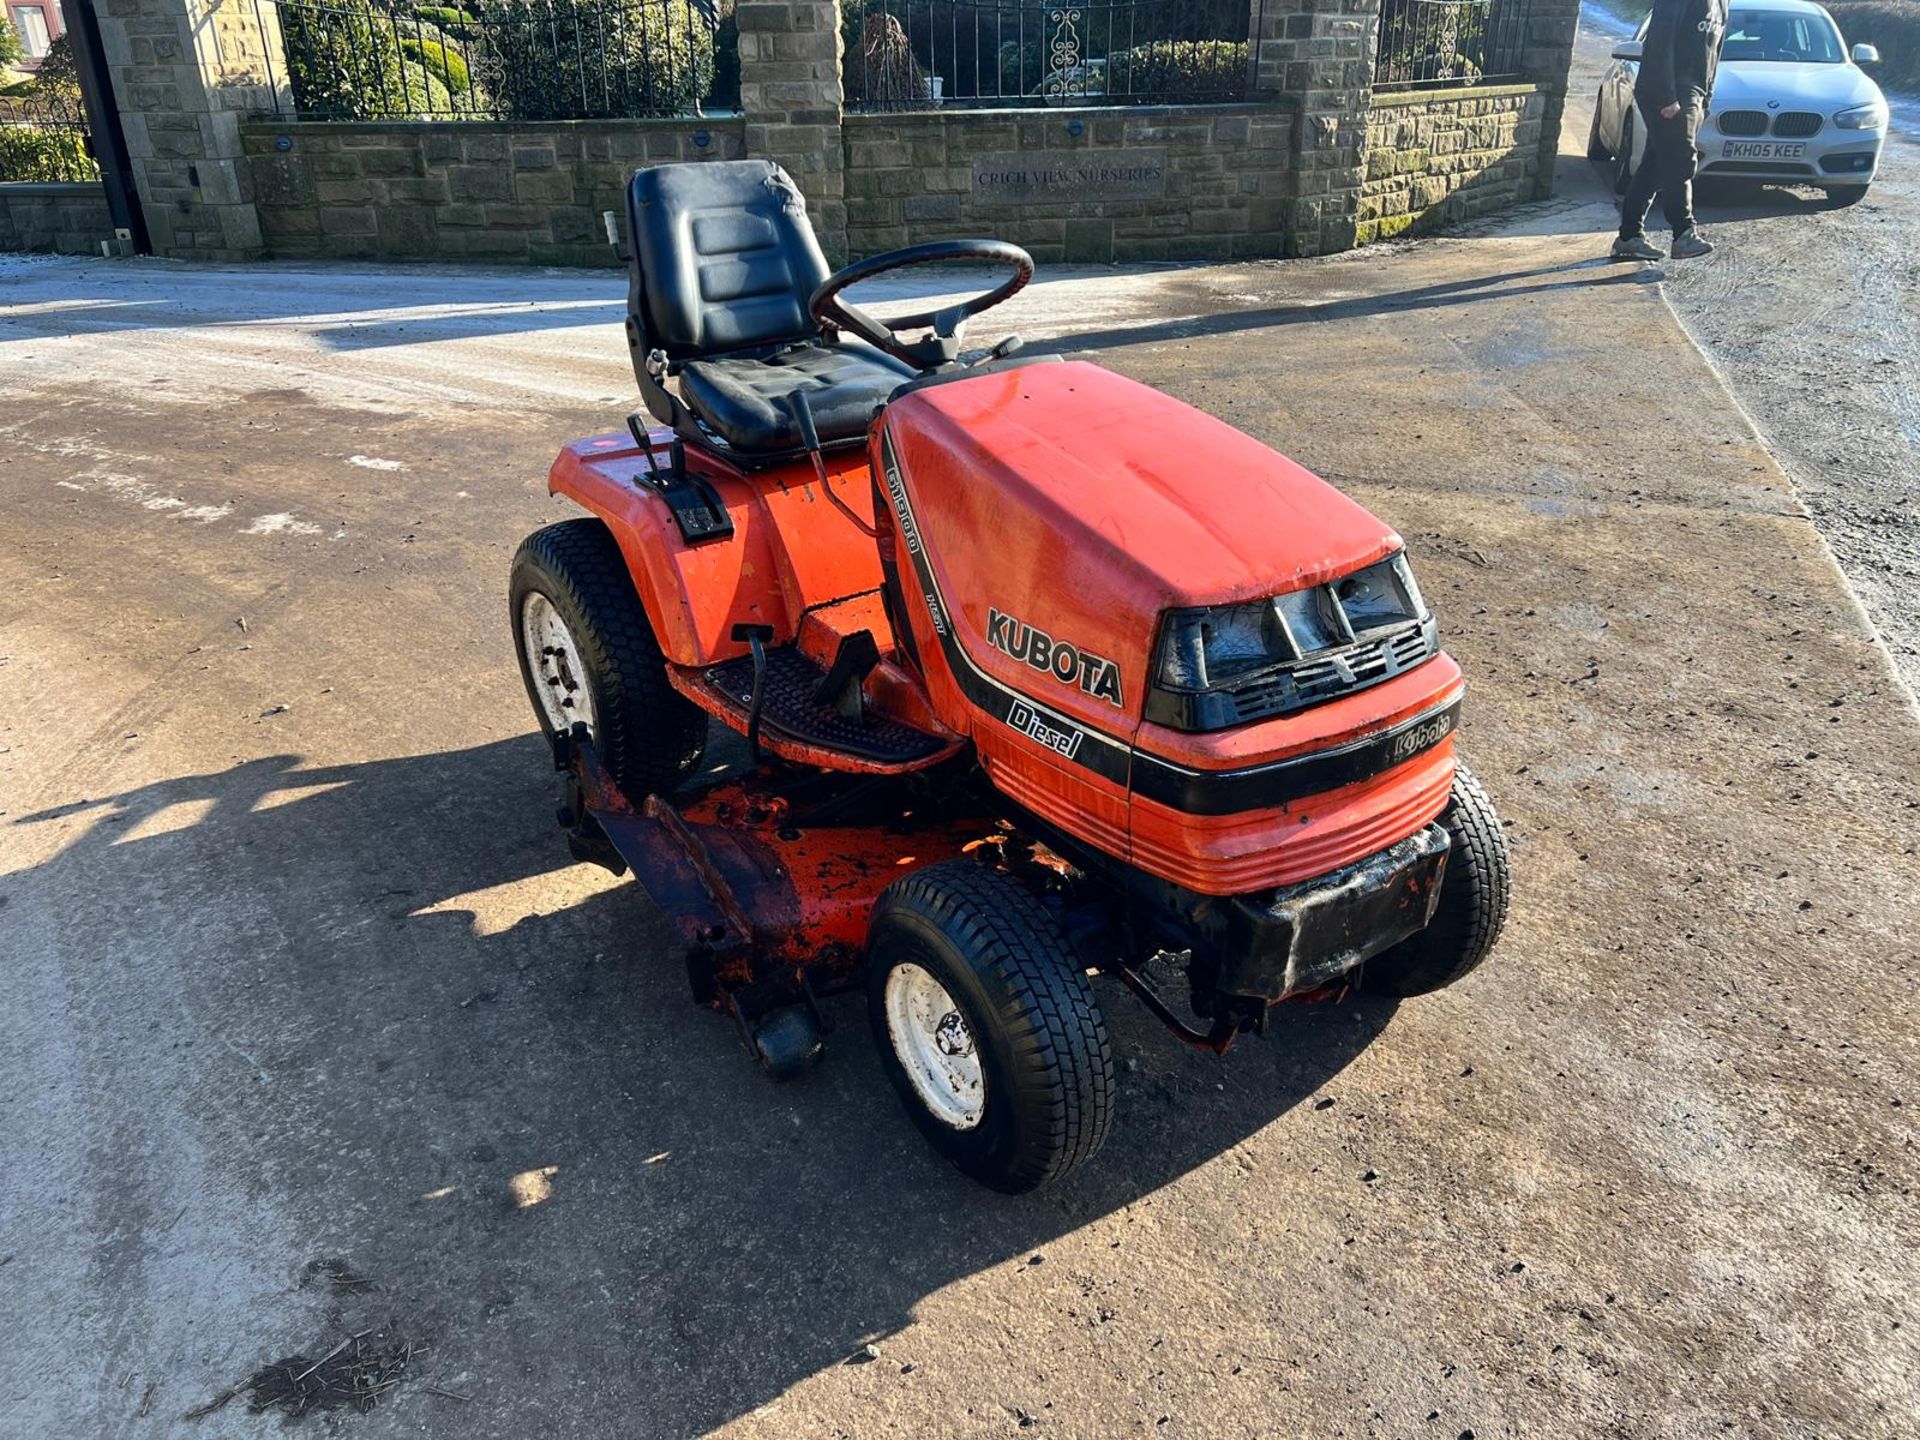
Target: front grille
x=1323, y=676
x=1797, y=124
x=1743, y=122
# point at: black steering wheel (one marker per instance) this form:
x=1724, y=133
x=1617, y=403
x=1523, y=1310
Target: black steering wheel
x=941, y=346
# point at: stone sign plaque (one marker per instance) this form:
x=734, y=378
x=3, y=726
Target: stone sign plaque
x=1024, y=177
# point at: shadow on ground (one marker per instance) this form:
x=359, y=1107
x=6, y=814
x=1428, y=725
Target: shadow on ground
x=396, y=1026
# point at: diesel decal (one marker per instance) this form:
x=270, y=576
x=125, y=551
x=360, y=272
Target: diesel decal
x=1062, y=659
x=1021, y=717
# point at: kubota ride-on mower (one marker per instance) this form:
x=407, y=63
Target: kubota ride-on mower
x=1045, y=675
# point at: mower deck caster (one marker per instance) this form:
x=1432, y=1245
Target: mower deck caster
x=787, y=1042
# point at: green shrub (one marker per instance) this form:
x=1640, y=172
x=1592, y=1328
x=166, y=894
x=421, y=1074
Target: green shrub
x=578, y=59
x=1892, y=26
x=38, y=153
x=348, y=63
x=9, y=43
x=442, y=61
x=1178, y=67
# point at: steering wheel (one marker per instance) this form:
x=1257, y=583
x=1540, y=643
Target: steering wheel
x=942, y=345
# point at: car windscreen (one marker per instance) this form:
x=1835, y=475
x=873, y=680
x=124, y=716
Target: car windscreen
x=1790, y=36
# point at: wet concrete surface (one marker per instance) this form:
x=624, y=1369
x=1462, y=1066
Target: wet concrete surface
x=293, y=968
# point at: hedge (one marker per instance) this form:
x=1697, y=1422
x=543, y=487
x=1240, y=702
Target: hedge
x=1893, y=26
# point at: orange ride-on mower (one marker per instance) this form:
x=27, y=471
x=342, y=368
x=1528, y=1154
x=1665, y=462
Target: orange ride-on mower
x=1044, y=676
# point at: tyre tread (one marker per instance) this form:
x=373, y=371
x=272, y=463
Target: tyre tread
x=650, y=735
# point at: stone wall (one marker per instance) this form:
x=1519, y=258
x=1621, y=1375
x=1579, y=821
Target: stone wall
x=458, y=189
x=1134, y=183
x=62, y=219
x=1439, y=156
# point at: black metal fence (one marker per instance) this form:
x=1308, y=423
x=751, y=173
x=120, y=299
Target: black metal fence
x=917, y=54
x=43, y=137
x=1437, y=43
x=507, y=59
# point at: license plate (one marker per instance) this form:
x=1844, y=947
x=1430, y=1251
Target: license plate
x=1761, y=150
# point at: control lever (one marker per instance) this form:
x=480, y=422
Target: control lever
x=1012, y=345
x=802, y=413
x=756, y=637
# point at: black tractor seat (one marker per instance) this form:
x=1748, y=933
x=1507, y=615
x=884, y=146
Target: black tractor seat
x=724, y=262
x=744, y=400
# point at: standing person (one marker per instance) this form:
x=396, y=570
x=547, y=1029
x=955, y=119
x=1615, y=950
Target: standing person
x=1678, y=61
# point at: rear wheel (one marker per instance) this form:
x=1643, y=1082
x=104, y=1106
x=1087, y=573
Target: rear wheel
x=987, y=1026
x=589, y=657
x=1472, y=906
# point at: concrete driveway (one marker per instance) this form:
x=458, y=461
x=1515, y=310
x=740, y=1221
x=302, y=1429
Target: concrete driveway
x=308, y=1028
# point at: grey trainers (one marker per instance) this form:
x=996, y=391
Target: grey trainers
x=1634, y=247
x=1691, y=245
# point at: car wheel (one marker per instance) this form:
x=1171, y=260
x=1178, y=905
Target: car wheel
x=1596, y=148
x=588, y=656
x=987, y=1027
x=1623, y=158
x=1840, y=196
x=1471, y=910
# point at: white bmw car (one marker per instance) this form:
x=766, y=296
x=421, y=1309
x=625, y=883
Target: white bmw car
x=1790, y=106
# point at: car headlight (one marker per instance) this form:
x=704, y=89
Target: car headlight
x=1863, y=117
x=1225, y=665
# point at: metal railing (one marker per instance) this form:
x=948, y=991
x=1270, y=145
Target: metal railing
x=505, y=59
x=917, y=54
x=43, y=137
x=1436, y=43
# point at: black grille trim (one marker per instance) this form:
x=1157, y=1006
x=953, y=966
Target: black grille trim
x=1743, y=122
x=1797, y=124
x=1282, y=689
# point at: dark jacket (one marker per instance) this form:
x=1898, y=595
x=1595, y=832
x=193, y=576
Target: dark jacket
x=1681, y=53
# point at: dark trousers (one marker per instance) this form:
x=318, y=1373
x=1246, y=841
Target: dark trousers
x=1666, y=169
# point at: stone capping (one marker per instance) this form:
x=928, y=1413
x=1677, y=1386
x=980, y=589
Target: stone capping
x=52, y=190
x=1197, y=109
x=265, y=124
x=1384, y=99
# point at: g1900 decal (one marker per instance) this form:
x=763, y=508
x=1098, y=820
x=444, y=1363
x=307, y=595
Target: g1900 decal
x=1062, y=659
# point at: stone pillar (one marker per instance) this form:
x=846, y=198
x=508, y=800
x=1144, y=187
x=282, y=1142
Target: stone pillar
x=1546, y=60
x=1318, y=54
x=790, y=96
x=184, y=74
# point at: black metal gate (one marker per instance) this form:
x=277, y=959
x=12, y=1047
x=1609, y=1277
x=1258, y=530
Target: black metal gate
x=108, y=141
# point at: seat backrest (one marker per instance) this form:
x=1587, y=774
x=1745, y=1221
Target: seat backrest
x=724, y=259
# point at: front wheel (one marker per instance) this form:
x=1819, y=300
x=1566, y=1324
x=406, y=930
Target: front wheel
x=1840, y=196
x=987, y=1026
x=1596, y=147
x=1623, y=157
x=1472, y=906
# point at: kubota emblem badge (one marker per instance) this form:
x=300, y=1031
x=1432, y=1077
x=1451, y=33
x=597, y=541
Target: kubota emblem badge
x=1062, y=659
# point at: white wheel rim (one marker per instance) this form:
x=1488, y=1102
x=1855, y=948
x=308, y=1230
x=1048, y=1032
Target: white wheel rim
x=559, y=677
x=934, y=1046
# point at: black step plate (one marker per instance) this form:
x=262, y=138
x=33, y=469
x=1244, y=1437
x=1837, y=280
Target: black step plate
x=788, y=706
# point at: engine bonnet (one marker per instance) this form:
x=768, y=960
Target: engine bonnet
x=1193, y=510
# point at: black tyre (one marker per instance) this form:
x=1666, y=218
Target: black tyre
x=588, y=654
x=1596, y=148
x=987, y=1026
x=1472, y=906
x=1840, y=196
x=1623, y=161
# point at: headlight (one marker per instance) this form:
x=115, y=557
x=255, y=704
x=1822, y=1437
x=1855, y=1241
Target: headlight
x=1863, y=117
x=1228, y=664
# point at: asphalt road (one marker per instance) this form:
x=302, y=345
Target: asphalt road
x=308, y=1028
x=1812, y=314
